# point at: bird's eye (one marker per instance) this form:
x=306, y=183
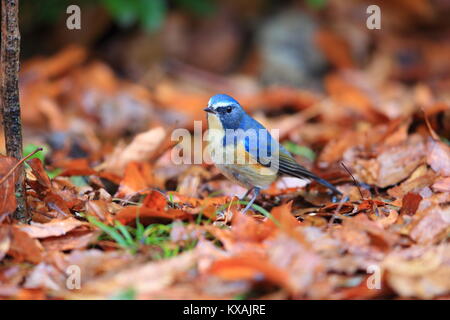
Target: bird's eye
x=229, y=109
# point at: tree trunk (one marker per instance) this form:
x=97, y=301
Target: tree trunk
x=10, y=51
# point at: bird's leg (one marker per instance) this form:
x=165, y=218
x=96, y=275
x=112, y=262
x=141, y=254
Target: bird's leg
x=247, y=193
x=250, y=203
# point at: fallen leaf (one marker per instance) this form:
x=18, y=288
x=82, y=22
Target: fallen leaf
x=45, y=276
x=76, y=167
x=442, y=185
x=153, y=206
x=39, y=172
x=145, y=278
x=76, y=239
x=23, y=247
x=141, y=149
x=420, y=272
x=303, y=267
x=438, y=157
x=433, y=222
x=246, y=228
x=249, y=268
x=391, y=166
x=137, y=179
x=5, y=241
x=54, y=228
x=379, y=237
x=410, y=203
x=287, y=223
x=7, y=189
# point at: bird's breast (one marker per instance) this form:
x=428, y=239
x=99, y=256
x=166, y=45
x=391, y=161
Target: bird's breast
x=234, y=161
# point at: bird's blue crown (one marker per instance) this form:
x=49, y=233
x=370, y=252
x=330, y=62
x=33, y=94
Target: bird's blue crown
x=222, y=100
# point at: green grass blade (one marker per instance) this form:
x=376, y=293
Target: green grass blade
x=113, y=233
x=125, y=233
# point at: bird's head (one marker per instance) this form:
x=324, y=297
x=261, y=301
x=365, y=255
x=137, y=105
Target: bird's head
x=226, y=109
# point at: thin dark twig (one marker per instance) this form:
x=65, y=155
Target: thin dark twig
x=10, y=172
x=354, y=180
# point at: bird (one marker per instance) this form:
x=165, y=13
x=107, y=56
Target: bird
x=265, y=159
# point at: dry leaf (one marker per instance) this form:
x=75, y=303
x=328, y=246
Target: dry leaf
x=7, y=189
x=141, y=149
x=54, y=228
x=438, y=157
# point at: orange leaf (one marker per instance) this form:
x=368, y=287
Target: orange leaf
x=249, y=268
x=155, y=200
x=335, y=48
x=7, y=189
x=438, y=157
x=129, y=214
x=77, y=167
x=23, y=247
x=410, y=203
x=54, y=228
x=246, y=228
x=287, y=222
x=55, y=202
x=154, y=206
x=39, y=172
x=442, y=185
x=137, y=179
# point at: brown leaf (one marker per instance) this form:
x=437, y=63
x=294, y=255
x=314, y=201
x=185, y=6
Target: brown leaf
x=76, y=239
x=76, y=167
x=379, y=237
x=303, y=266
x=39, y=172
x=54, y=228
x=153, y=206
x=137, y=179
x=145, y=278
x=23, y=247
x=55, y=202
x=287, y=222
x=129, y=214
x=7, y=189
x=99, y=209
x=399, y=162
x=335, y=48
x=246, y=228
x=442, y=185
x=438, y=157
x=434, y=222
x=410, y=203
x=141, y=149
x=155, y=200
x=249, y=268
x=421, y=177
x=5, y=240
x=393, y=165
x=45, y=276
x=421, y=272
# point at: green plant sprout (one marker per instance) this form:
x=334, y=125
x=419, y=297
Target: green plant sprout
x=132, y=239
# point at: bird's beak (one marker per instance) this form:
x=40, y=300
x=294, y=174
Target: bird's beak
x=209, y=110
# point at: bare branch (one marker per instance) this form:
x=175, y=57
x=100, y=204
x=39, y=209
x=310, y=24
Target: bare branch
x=10, y=52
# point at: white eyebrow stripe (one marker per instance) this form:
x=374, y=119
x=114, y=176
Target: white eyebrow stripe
x=221, y=104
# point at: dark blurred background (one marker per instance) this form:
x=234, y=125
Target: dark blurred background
x=282, y=42
x=307, y=67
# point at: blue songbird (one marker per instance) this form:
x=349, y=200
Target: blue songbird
x=245, y=152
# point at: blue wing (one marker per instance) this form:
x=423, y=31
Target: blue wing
x=258, y=142
x=268, y=152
